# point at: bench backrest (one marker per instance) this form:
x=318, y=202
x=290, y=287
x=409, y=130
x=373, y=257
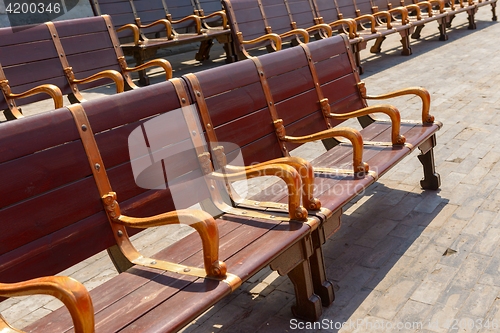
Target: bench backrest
x=29, y=58
x=239, y=109
x=36, y=56
x=302, y=12
x=326, y=9
x=91, y=46
x=121, y=12
x=50, y=206
x=207, y=7
x=276, y=15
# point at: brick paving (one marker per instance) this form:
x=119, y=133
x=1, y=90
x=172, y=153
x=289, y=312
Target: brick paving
x=404, y=260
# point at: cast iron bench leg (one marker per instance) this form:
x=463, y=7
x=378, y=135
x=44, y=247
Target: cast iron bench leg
x=322, y=286
x=295, y=262
x=431, y=180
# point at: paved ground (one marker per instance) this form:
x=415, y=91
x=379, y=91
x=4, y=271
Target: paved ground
x=405, y=260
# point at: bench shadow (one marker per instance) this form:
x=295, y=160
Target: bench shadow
x=378, y=228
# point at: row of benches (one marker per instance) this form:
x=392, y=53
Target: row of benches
x=62, y=58
x=144, y=26
x=258, y=23
x=77, y=175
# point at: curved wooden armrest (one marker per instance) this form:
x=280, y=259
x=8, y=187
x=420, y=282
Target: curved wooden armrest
x=403, y=11
x=439, y=3
x=272, y=37
x=199, y=220
x=223, y=16
x=155, y=62
x=322, y=26
x=49, y=89
x=391, y=111
x=71, y=292
x=135, y=31
x=352, y=31
x=166, y=23
x=385, y=15
x=416, y=8
x=107, y=74
x=301, y=32
x=305, y=171
x=287, y=173
x=370, y=18
x=359, y=167
x=419, y=91
x=194, y=18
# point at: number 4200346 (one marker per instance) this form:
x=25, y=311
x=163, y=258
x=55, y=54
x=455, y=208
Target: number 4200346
x=32, y=8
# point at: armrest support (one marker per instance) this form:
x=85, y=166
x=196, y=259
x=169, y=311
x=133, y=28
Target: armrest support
x=272, y=37
x=416, y=8
x=418, y=91
x=391, y=111
x=298, y=32
x=352, y=26
x=166, y=23
x=199, y=220
x=305, y=171
x=385, y=15
x=71, y=292
x=370, y=18
x=152, y=63
x=403, y=11
x=439, y=3
x=135, y=31
x=323, y=27
x=194, y=18
x=53, y=91
x=223, y=16
x=351, y=134
x=285, y=172
x=115, y=76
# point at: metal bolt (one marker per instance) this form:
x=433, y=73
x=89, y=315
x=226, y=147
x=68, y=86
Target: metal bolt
x=243, y=212
x=186, y=270
x=261, y=73
x=271, y=103
x=84, y=128
x=256, y=203
x=212, y=187
x=153, y=262
x=194, y=133
x=119, y=233
x=272, y=216
x=198, y=93
x=97, y=166
x=183, y=100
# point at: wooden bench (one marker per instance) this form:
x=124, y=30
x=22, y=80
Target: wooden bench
x=258, y=23
x=62, y=58
x=271, y=104
x=74, y=191
x=145, y=26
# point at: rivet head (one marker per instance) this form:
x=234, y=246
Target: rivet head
x=256, y=203
x=272, y=216
x=119, y=233
x=186, y=270
x=84, y=128
x=271, y=103
x=97, y=166
x=153, y=262
x=209, y=126
x=198, y=93
x=243, y=212
x=212, y=187
x=183, y=100
x=193, y=132
x=261, y=73
x=54, y=35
